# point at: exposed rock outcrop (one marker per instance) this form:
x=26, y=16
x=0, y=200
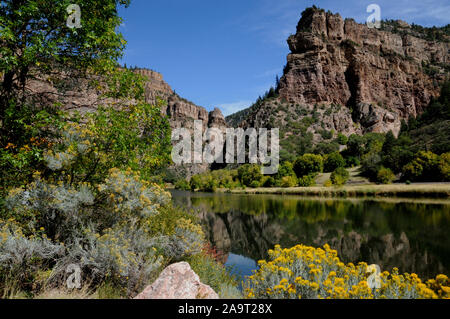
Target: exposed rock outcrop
x=75, y=93
x=178, y=281
x=380, y=77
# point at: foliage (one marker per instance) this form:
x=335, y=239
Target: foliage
x=426, y=166
x=138, y=138
x=310, y=273
x=255, y=184
x=370, y=165
x=249, y=173
x=307, y=180
x=285, y=169
x=308, y=164
x=428, y=132
x=339, y=176
x=333, y=161
x=412, y=171
x=23, y=154
x=210, y=181
x=37, y=29
x=187, y=240
x=324, y=148
x=385, y=176
x=213, y=274
x=289, y=181
x=358, y=146
x=444, y=166
x=77, y=187
x=342, y=139
x=183, y=185
x=103, y=230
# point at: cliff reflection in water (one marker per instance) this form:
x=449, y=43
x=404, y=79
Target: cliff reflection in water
x=409, y=235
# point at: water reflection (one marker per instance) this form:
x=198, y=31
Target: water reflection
x=412, y=236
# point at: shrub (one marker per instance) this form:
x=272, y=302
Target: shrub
x=342, y=139
x=137, y=137
x=182, y=184
x=307, y=180
x=412, y=171
x=309, y=273
x=285, y=169
x=339, y=176
x=248, y=173
x=444, y=167
x=430, y=164
x=289, y=181
x=370, y=165
x=385, y=176
x=104, y=230
x=352, y=161
x=328, y=183
x=326, y=135
x=213, y=274
x=333, y=161
x=308, y=164
x=254, y=184
x=187, y=240
x=269, y=182
x=210, y=181
x=326, y=148
x=23, y=257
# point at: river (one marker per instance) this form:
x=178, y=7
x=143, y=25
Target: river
x=413, y=236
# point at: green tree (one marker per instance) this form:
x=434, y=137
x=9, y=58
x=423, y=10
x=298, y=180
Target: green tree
x=285, y=169
x=370, y=165
x=430, y=166
x=35, y=38
x=36, y=42
x=333, y=161
x=249, y=173
x=355, y=145
x=396, y=154
x=339, y=176
x=412, y=171
x=444, y=167
x=308, y=164
x=342, y=139
x=289, y=181
x=385, y=176
x=324, y=148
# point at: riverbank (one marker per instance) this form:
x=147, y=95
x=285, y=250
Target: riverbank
x=428, y=190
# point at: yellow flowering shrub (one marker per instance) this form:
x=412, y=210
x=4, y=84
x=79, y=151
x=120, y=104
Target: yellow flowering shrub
x=188, y=239
x=317, y=273
x=126, y=193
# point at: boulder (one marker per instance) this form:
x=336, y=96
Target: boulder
x=178, y=281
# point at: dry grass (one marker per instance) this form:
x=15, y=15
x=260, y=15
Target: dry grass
x=436, y=190
x=67, y=294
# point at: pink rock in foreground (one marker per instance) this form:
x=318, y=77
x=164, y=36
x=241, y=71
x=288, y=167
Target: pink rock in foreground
x=178, y=281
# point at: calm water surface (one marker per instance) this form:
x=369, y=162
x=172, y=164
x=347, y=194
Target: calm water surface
x=411, y=235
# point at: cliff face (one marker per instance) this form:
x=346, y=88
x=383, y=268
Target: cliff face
x=74, y=93
x=181, y=112
x=378, y=77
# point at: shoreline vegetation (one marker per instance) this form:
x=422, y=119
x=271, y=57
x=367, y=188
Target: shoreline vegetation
x=432, y=190
x=78, y=197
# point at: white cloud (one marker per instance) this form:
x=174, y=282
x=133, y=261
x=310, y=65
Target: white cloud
x=274, y=21
x=230, y=108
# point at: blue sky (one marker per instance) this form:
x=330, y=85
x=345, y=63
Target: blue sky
x=226, y=53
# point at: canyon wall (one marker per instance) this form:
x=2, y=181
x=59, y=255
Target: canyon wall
x=378, y=76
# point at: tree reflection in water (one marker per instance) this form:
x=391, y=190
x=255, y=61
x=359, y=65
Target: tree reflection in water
x=413, y=236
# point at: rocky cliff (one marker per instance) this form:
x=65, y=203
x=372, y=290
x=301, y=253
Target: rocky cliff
x=351, y=79
x=73, y=92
